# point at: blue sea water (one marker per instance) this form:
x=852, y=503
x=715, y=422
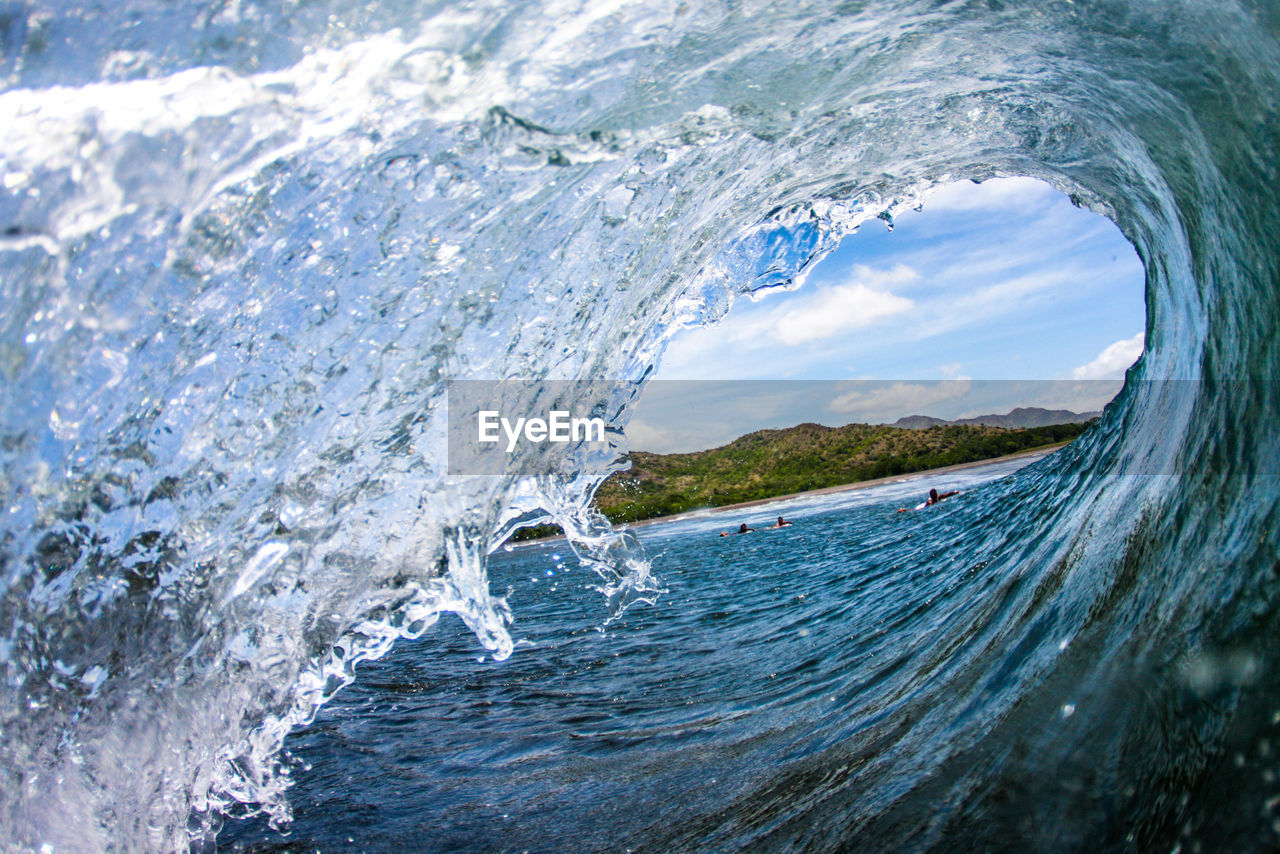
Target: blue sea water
x=245, y=247
x=768, y=652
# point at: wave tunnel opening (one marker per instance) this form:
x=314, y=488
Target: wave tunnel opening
x=990, y=297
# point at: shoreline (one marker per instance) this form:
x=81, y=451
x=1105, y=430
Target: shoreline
x=1044, y=450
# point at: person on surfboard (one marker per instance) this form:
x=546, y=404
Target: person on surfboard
x=934, y=498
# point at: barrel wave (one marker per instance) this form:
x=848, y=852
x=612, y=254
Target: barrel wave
x=246, y=245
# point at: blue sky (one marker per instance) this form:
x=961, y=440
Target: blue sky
x=1004, y=280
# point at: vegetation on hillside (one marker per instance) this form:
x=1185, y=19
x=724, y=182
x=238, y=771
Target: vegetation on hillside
x=770, y=463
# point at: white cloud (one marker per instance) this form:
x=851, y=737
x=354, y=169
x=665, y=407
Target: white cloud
x=643, y=436
x=694, y=434
x=891, y=402
x=1005, y=296
x=1113, y=361
x=813, y=314
x=860, y=301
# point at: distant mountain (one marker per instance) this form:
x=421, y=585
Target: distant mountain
x=918, y=422
x=1020, y=418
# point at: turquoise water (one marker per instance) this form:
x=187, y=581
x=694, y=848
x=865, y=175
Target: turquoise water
x=246, y=247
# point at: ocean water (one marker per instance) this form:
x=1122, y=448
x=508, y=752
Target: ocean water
x=790, y=663
x=245, y=246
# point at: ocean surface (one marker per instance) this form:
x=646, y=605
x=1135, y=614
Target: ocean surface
x=245, y=247
x=771, y=654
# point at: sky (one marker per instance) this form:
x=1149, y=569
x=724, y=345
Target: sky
x=994, y=295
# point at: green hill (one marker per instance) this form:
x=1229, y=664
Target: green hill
x=769, y=463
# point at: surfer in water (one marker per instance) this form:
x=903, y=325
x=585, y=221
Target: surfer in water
x=742, y=529
x=934, y=498
x=782, y=523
